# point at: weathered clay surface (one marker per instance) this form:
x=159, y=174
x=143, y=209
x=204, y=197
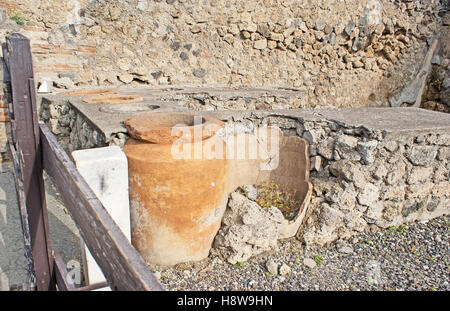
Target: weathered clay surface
x=89, y=92
x=112, y=99
x=176, y=203
x=165, y=128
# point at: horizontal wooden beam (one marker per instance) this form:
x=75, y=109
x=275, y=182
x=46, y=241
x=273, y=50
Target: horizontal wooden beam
x=121, y=264
x=92, y=287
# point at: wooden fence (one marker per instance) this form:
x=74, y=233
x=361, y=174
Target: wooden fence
x=35, y=149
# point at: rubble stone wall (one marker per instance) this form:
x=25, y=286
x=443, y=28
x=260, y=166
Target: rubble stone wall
x=367, y=178
x=341, y=53
x=71, y=128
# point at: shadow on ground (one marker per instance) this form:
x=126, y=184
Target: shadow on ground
x=63, y=233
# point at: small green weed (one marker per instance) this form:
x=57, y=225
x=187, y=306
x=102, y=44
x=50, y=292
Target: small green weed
x=398, y=229
x=271, y=194
x=318, y=259
x=369, y=242
x=244, y=190
x=446, y=263
x=240, y=265
x=17, y=17
x=406, y=269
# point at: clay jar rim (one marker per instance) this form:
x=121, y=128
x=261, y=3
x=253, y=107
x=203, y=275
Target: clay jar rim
x=89, y=92
x=113, y=99
x=158, y=127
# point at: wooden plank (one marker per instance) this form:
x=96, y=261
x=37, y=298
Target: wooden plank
x=27, y=144
x=62, y=281
x=23, y=218
x=7, y=81
x=121, y=264
x=92, y=287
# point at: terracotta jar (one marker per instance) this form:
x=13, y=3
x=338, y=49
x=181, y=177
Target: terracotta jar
x=176, y=202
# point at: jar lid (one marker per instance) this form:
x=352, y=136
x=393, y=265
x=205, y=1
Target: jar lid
x=168, y=127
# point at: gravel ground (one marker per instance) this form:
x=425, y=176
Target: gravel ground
x=63, y=232
x=414, y=257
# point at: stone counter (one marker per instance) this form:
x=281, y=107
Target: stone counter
x=97, y=125
x=371, y=166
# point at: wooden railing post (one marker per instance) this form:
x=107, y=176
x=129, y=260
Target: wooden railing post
x=33, y=148
x=24, y=126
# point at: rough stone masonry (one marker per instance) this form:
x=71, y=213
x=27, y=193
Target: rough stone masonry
x=372, y=166
x=380, y=167
x=340, y=53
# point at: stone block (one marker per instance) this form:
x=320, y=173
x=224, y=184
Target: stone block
x=260, y=44
x=349, y=171
x=396, y=174
x=106, y=172
x=419, y=191
x=422, y=155
x=367, y=150
x=394, y=193
x=444, y=154
x=380, y=171
x=369, y=195
x=441, y=189
x=344, y=148
x=326, y=148
x=419, y=174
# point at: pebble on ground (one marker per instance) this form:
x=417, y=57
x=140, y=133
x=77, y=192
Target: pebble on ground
x=413, y=257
